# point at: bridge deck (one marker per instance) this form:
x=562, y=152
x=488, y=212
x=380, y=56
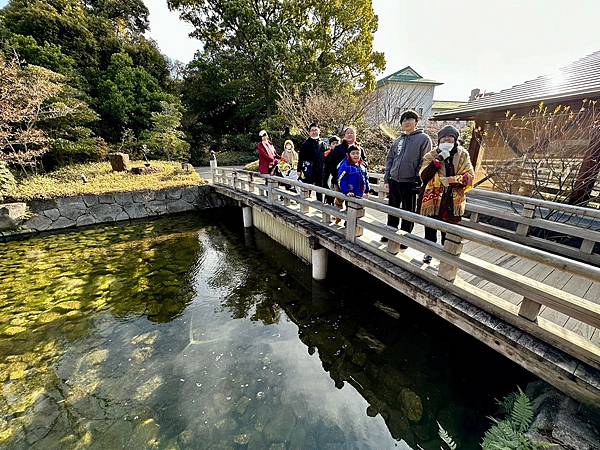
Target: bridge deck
x=561, y=280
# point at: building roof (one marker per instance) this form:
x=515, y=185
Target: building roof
x=447, y=104
x=578, y=80
x=407, y=75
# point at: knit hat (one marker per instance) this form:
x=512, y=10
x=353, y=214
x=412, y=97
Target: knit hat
x=449, y=130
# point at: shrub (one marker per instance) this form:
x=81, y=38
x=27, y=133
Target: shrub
x=101, y=179
x=7, y=181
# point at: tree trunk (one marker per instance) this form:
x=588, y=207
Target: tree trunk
x=588, y=172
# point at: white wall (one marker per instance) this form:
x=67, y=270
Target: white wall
x=393, y=98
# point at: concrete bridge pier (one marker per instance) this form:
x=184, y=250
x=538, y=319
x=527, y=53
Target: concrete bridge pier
x=247, y=214
x=319, y=257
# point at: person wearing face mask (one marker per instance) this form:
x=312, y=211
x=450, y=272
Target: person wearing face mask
x=402, y=169
x=311, y=159
x=446, y=173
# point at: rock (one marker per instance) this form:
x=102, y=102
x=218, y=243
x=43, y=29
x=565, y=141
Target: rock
x=63, y=222
x=122, y=216
x=12, y=215
x=119, y=162
x=241, y=439
x=38, y=223
x=190, y=195
x=143, y=196
x=411, y=405
x=186, y=438
x=52, y=214
x=86, y=219
x=96, y=357
x=371, y=341
x=123, y=198
x=135, y=210
x=106, y=199
x=242, y=405
x=90, y=200
x=145, y=170
x=145, y=338
x=105, y=212
x=145, y=435
x=173, y=194
x=71, y=207
x=156, y=207
x=178, y=206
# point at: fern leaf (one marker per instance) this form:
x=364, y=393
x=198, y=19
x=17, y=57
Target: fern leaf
x=444, y=436
x=521, y=415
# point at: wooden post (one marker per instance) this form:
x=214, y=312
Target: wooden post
x=528, y=212
x=381, y=193
x=270, y=194
x=587, y=246
x=305, y=194
x=529, y=309
x=392, y=247
x=325, y=217
x=453, y=245
x=354, y=211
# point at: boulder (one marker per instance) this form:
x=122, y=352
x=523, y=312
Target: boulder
x=38, y=223
x=119, y=161
x=135, y=210
x=123, y=198
x=411, y=405
x=52, y=214
x=12, y=215
x=105, y=212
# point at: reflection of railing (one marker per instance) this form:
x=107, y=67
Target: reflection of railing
x=559, y=218
x=451, y=256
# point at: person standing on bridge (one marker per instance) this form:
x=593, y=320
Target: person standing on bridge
x=402, y=169
x=446, y=173
x=311, y=159
x=352, y=176
x=267, y=156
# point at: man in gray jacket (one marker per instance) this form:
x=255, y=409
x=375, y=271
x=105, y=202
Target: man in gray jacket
x=402, y=168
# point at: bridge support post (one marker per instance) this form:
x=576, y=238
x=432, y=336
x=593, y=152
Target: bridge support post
x=319, y=257
x=247, y=216
x=454, y=246
x=354, y=212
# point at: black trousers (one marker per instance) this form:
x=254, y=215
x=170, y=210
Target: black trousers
x=431, y=235
x=402, y=195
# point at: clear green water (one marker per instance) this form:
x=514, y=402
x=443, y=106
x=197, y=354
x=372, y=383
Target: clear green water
x=186, y=332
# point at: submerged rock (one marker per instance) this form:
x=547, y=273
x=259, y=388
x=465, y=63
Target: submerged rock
x=411, y=405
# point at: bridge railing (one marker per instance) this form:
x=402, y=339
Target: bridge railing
x=522, y=215
x=534, y=294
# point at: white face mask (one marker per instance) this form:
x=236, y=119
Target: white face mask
x=446, y=146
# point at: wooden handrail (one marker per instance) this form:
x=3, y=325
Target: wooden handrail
x=556, y=261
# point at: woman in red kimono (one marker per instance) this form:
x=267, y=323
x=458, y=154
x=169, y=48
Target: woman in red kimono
x=267, y=156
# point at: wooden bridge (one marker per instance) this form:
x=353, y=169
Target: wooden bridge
x=534, y=300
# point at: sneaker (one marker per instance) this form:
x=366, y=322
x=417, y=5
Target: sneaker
x=427, y=259
x=383, y=239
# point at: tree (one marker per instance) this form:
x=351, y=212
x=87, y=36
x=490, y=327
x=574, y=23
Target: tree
x=127, y=97
x=262, y=48
x=165, y=139
x=29, y=96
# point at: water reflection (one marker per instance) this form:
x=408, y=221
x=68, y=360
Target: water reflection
x=187, y=333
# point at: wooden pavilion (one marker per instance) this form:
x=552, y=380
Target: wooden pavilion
x=534, y=132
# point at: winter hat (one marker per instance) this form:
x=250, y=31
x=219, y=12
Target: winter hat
x=449, y=130
x=262, y=133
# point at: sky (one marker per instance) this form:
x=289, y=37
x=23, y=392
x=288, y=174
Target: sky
x=465, y=44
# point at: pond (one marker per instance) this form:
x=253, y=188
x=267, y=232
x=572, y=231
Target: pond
x=188, y=332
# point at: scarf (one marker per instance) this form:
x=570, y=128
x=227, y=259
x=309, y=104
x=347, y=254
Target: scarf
x=442, y=183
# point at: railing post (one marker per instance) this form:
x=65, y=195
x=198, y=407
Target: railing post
x=474, y=217
x=270, y=194
x=529, y=309
x=234, y=180
x=354, y=212
x=381, y=193
x=213, y=165
x=528, y=212
x=453, y=245
x=251, y=183
x=587, y=246
x=305, y=194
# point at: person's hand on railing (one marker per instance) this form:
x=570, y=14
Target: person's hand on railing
x=351, y=194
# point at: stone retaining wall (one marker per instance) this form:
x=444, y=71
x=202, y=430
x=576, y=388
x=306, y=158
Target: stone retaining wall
x=68, y=212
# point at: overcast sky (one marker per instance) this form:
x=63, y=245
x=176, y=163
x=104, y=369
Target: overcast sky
x=463, y=43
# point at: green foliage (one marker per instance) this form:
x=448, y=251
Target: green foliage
x=127, y=97
x=101, y=180
x=444, y=436
x=7, y=180
x=509, y=433
x=165, y=140
x=254, y=51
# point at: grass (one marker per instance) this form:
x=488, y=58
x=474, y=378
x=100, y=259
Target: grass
x=67, y=181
